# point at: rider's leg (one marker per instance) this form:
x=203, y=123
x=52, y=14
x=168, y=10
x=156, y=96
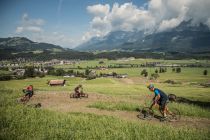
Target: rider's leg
x=78, y=94
x=27, y=94
x=163, y=108
x=30, y=94
x=162, y=111
x=168, y=111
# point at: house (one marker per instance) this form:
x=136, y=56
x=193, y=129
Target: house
x=122, y=76
x=19, y=72
x=57, y=82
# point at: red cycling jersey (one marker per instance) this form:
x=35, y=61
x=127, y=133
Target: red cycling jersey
x=30, y=88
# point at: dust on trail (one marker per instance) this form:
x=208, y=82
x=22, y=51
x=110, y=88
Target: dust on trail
x=60, y=101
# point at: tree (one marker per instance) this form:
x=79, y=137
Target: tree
x=70, y=71
x=51, y=70
x=156, y=70
x=101, y=62
x=30, y=72
x=160, y=70
x=101, y=74
x=79, y=67
x=114, y=74
x=178, y=70
x=205, y=72
x=173, y=69
x=165, y=69
x=87, y=72
x=144, y=73
x=60, y=72
x=154, y=76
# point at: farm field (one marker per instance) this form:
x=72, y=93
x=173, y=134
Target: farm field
x=110, y=111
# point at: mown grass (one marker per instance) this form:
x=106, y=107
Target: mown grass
x=185, y=109
x=23, y=123
x=115, y=106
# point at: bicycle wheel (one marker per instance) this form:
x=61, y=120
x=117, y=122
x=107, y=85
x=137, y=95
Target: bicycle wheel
x=72, y=95
x=25, y=99
x=86, y=95
x=146, y=113
x=174, y=115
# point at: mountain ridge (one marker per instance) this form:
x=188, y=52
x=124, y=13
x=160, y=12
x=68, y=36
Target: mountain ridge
x=183, y=38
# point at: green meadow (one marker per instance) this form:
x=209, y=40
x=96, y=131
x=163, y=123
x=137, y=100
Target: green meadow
x=124, y=95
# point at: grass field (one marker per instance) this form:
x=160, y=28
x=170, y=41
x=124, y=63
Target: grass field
x=110, y=111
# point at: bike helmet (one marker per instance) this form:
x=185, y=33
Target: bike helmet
x=150, y=86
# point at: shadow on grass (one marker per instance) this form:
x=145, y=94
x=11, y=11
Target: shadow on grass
x=198, y=103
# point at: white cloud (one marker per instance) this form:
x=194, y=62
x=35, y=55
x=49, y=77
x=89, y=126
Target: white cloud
x=156, y=15
x=172, y=22
x=19, y=29
x=93, y=33
x=34, y=29
x=56, y=38
x=99, y=9
x=30, y=25
x=101, y=24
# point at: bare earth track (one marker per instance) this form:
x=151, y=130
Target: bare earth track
x=60, y=101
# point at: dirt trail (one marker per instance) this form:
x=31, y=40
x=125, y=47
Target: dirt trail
x=60, y=101
x=126, y=81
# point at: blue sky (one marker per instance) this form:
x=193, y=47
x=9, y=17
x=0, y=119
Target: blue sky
x=69, y=18
x=69, y=23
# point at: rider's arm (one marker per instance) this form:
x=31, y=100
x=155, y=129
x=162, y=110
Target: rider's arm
x=153, y=102
x=155, y=99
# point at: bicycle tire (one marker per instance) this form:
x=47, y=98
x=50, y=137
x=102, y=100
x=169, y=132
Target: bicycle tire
x=86, y=96
x=175, y=116
x=146, y=113
x=72, y=95
x=25, y=99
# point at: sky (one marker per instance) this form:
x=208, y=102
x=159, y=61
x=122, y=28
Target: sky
x=69, y=23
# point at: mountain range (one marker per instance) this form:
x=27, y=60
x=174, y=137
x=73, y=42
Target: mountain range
x=22, y=44
x=183, y=41
x=186, y=37
x=21, y=47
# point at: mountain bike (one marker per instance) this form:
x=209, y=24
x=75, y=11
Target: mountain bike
x=24, y=99
x=147, y=114
x=75, y=95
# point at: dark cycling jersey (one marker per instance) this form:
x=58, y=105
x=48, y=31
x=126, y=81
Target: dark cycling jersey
x=163, y=96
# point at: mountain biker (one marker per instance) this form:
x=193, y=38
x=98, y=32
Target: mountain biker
x=29, y=91
x=160, y=98
x=77, y=90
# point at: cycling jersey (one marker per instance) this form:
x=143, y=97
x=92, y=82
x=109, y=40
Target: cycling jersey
x=161, y=93
x=163, y=98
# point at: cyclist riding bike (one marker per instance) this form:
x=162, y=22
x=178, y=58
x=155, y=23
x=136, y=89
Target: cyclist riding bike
x=29, y=91
x=160, y=98
x=77, y=90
